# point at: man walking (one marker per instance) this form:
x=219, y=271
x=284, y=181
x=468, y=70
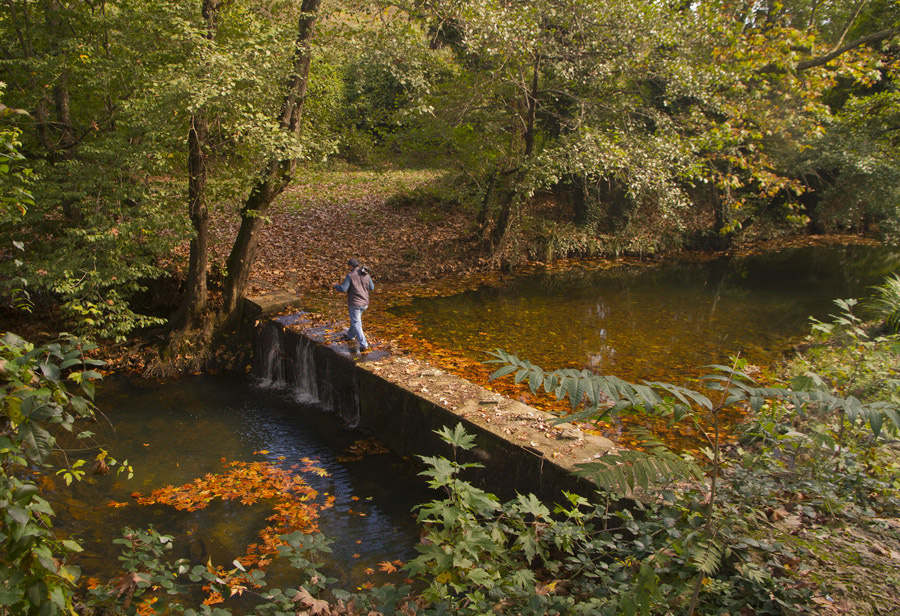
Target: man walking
x=357, y=284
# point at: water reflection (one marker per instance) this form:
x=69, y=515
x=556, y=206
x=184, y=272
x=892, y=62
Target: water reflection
x=174, y=433
x=655, y=322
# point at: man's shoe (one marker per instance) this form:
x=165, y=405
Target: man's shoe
x=363, y=349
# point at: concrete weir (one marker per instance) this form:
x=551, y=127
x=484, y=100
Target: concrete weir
x=402, y=401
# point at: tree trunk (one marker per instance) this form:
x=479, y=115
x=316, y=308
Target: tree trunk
x=193, y=303
x=508, y=198
x=278, y=173
x=531, y=108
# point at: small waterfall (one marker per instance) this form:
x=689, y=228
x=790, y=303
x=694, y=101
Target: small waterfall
x=306, y=387
x=268, y=355
x=315, y=373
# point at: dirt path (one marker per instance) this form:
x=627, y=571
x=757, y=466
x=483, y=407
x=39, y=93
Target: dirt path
x=327, y=217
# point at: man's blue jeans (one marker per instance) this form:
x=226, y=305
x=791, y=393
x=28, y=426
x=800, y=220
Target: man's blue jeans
x=356, y=330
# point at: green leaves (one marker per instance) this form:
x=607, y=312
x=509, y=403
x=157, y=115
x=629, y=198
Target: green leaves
x=37, y=401
x=603, y=395
x=639, y=472
x=581, y=387
x=458, y=437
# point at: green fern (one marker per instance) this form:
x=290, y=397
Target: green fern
x=579, y=386
x=628, y=471
x=886, y=302
x=603, y=395
x=708, y=556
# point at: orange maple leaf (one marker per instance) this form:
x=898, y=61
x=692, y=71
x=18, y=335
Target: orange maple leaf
x=146, y=607
x=387, y=567
x=213, y=598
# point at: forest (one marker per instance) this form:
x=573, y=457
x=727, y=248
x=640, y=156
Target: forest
x=160, y=160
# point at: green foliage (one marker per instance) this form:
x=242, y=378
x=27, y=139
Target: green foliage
x=886, y=303
x=585, y=558
x=846, y=470
x=605, y=395
x=860, y=156
x=638, y=471
x=15, y=196
x=834, y=460
x=852, y=366
x=112, y=93
x=15, y=199
x=36, y=404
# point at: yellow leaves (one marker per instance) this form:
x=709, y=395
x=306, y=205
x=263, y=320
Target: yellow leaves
x=116, y=504
x=546, y=589
x=312, y=466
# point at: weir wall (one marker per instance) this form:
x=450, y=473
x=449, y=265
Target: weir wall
x=518, y=448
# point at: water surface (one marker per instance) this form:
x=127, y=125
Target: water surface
x=657, y=322
x=173, y=433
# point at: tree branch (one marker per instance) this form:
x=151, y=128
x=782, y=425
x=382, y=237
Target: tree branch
x=875, y=37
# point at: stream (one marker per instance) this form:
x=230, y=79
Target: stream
x=657, y=321
x=172, y=433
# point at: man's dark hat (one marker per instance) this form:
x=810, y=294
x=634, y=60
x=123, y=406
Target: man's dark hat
x=353, y=262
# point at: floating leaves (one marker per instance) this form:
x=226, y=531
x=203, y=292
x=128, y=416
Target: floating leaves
x=248, y=483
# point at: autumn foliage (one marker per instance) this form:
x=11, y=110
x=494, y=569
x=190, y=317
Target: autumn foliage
x=293, y=500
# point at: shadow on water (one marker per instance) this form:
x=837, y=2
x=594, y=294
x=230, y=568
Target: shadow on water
x=657, y=322
x=173, y=433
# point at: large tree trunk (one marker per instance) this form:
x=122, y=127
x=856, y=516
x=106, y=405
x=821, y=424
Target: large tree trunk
x=193, y=303
x=531, y=108
x=278, y=172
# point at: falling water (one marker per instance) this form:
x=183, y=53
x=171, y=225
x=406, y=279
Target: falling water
x=306, y=388
x=268, y=364
x=314, y=372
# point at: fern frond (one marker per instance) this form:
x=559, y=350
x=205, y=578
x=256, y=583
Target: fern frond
x=627, y=471
x=708, y=556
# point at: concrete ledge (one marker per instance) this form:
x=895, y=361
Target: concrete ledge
x=255, y=307
x=403, y=401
